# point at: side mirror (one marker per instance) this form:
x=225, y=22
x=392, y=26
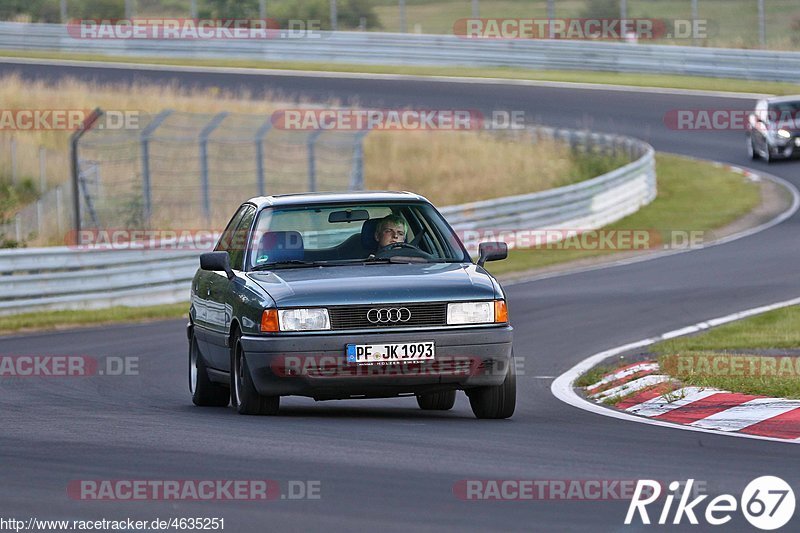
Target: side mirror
x=491, y=251
x=216, y=261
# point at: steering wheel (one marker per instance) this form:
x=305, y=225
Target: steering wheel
x=402, y=245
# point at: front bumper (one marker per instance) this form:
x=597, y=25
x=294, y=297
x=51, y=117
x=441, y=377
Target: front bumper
x=785, y=149
x=315, y=365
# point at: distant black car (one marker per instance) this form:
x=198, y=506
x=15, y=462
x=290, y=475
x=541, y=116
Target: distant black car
x=774, y=129
x=353, y=295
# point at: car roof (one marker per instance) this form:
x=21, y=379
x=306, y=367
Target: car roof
x=783, y=99
x=301, y=199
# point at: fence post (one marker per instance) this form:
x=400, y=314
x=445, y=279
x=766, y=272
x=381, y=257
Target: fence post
x=210, y=127
x=262, y=9
x=13, y=146
x=42, y=170
x=144, y=139
x=401, y=6
x=59, y=211
x=17, y=228
x=357, y=172
x=476, y=10
x=762, y=25
x=39, y=225
x=334, y=16
x=63, y=9
x=694, y=18
x=75, y=166
x=260, y=135
x=312, y=161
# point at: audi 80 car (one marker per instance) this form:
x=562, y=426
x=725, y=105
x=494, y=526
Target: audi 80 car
x=773, y=130
x=348, y=295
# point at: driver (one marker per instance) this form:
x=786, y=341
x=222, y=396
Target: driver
x=390, y=230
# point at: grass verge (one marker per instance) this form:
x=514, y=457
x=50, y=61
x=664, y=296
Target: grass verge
x=609, y=78
x=776, y=376
x=693, y=196
x=48, y=320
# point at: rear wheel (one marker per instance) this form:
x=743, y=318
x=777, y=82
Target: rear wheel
x=437, y=401
x=244, y=395
x=496, y=401
x=205, y=392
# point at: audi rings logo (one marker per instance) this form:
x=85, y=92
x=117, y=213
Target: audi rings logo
x=390, y=315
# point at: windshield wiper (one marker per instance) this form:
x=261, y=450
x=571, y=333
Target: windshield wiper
x=290, y=263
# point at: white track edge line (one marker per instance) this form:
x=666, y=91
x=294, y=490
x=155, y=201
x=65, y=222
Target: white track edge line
x=563, y=386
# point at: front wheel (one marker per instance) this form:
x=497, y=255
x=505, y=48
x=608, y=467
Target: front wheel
x=244, y=396
x=205, y=392
x=437, y=401
x=751, y=151
x=496, y=401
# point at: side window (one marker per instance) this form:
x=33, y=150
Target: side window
x=240, y=238
x=224, y=243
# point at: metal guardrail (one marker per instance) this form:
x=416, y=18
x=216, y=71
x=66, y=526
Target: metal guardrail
x=431, y=50
x=67, y=278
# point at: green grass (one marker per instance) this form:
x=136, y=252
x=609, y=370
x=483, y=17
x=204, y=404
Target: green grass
x=731, y=23
x=47, y=320
x=692, y=196
x=632, y=80
x=593, y=376
x=779, y=329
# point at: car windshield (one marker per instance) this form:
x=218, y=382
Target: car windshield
x=785, y=114
x=341, y=234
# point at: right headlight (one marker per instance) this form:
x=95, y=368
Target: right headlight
x=477, y=312
x=784, y=134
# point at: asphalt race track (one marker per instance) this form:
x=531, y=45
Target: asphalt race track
x=384, y=464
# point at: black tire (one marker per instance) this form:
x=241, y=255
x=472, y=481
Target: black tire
x=244, y=396
x=205, y=393
x=437, y=401
x=498, y=401
x=751, y=150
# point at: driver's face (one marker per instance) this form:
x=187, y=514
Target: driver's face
x=390, y=234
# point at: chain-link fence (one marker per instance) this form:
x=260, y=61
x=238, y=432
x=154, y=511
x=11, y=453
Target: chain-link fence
x=173, y=170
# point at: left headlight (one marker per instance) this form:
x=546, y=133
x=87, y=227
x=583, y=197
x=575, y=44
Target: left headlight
x=477, y=312
x=303, y=319
x=784, y=134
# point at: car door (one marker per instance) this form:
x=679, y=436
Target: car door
x=206, y=309
x=223, y=291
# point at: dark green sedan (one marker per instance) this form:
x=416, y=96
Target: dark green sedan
x=348, y=295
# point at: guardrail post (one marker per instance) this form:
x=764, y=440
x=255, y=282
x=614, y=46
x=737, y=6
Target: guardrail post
x=210, y=127
x=260, y=135
x=762, y=25
x=312, y=160
x=17, y=228
x=144, y=139
x=401, y=6
x=476, y=10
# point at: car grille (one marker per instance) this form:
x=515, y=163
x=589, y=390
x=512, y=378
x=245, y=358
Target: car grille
x=355, y=317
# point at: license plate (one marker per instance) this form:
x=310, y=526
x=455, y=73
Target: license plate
x=390, y=354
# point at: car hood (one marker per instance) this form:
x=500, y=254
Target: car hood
x=375, y=283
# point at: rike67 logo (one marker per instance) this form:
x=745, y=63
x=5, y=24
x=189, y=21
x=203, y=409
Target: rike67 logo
x=767, y=502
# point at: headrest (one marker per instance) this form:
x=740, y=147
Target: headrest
x=368, y=234
x=276, y=246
